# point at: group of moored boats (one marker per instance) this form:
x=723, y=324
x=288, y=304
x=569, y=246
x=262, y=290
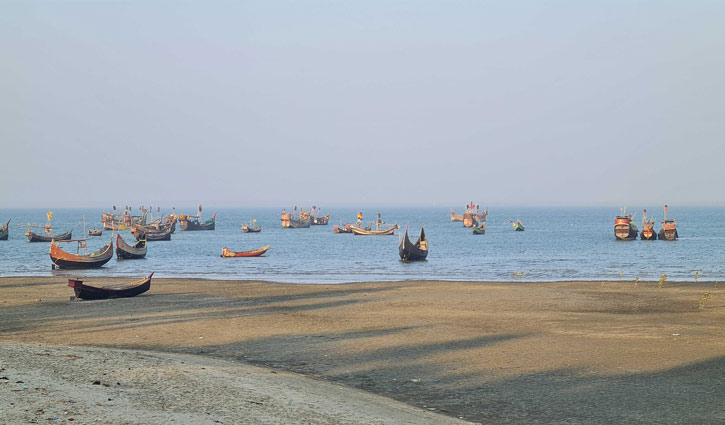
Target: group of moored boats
x=626, y=230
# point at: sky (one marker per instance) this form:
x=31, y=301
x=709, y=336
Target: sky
x=282, y=103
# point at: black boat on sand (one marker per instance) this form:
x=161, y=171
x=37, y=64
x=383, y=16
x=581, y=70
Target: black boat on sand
x=90, y=292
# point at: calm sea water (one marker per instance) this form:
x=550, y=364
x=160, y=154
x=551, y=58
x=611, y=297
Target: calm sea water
x=558, y=244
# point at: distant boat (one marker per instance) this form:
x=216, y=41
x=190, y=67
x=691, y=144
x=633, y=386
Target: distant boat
x=518, y=226
x=95, y=232
x=669, y=229
x=473, y=215
x=302, y=220
x=480, y=230
x=253, y=253
x=47, y=237
x=367, y=231
x=648, y=232
x=624, y=228
x=342, y=228
x=417, y=251
x=191, y=223
x=91, y=292
x=65, y=260
x=318, y=220
x=4, y=231
x=127, y=252
x=151, y=236
x=455, y=217
x=252, y=227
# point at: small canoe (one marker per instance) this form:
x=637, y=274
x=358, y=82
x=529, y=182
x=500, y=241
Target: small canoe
x=90, y=292
x=518, y=226
x=125, y=251
x=253, y=253
x=65, y=260
x=95, y=232
x=252, y=227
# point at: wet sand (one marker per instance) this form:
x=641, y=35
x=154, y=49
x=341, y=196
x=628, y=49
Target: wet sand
x=510, y=352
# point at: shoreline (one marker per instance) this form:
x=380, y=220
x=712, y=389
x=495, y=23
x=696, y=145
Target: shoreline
x=489, y=352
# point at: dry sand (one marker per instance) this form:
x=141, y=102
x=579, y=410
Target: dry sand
x=569, y=352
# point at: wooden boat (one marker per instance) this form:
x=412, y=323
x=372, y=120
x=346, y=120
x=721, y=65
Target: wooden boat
x=66, y=260
x=473, y=216
x=342, y=228
x=252, y=227
x=417, y=251
x=4, y=231
x=159, y=225
x=302, y=220
x=321, y=221
x=151, y=236
x=648, y=232
x=518, y=226
x=455, y=217
x=190, y=223
x=624, y=228
x=95, y=232
x=47, y=237
x=90, y=292
x=253, y=253
x=480, y=230
x=669, y=229
x=367, y=231
x=127, y=252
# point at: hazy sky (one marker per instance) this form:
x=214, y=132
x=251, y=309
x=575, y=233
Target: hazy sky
x=281, y=103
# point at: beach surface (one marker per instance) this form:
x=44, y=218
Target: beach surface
x=202, y=351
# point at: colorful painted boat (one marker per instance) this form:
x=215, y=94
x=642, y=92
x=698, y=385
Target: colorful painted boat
x=65, y=260
x=648, y=232
x=624, y=227
x=518, y=226
x=669, y=229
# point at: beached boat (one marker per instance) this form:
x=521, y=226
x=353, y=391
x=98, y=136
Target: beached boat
x=139, y=234
x=648, y=232
x=480, y=229
x=66, y=260
x=191, y=223
x=669, y=229
x=417, y=251
x=4, y=232
x=455, y=217
x=253, y=253
x=624, y=227
x=252, y=227
x=127, y=252
x=95, y=232
x=90, y=292
x=518, y=226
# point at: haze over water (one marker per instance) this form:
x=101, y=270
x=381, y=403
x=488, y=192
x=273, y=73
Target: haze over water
x=560, y=243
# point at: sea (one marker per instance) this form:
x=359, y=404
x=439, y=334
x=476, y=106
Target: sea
x=559, y=244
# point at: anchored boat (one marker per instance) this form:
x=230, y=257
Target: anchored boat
x=669, y=229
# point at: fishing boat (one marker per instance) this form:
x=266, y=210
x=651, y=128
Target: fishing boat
x=65, y=260
x=253, y=253
x=624, y=227
x=47, y=236
x=669, y=229
x=648, y=232
x=190, y=223
x=480, y=229
x=417, y=251
x=518, y=226
x=342, y=228
x=321, y=221
x=4, y=231
x=139, y=234
x=473, y=215
x=90, y=292
x=252, y=227
x=125, y=251
x=455, y=217
x=381, y=229
x=95, y=232
x=293, y=220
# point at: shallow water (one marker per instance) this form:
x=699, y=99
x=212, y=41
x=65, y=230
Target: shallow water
x=558, y=244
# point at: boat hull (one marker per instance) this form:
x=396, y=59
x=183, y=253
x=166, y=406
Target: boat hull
x=90, y=292
x=410, y=251
x=364, y=232
x=34, y=237
x=648, y=235
x=125, y=251
x=667, y=235
x=226, y=253
x=251, y=229
x=65, y=260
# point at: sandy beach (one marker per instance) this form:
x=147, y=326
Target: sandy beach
x=198, y=351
